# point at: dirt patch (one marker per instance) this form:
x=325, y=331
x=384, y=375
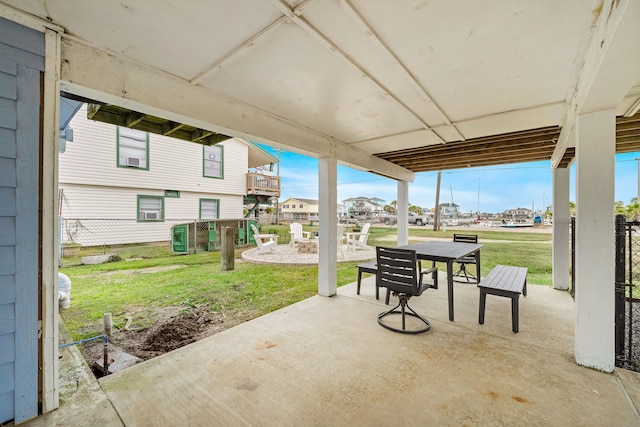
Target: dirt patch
x=147, y=270
x=174, y=327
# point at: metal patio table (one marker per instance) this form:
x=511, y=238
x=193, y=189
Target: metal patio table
x=447, y=252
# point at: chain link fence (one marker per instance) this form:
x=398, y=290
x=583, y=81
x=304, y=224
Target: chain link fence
x=627, y=319
x=130, y=238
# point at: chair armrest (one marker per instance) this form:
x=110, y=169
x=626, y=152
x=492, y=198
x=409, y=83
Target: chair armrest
x=267, y=236
x=356, y=234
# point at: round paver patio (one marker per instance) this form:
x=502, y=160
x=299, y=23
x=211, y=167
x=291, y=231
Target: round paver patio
x=288, y=255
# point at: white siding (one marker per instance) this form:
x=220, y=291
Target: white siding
x=173, y=164
x=93, y=186
x=108, y=215
x=88, y=201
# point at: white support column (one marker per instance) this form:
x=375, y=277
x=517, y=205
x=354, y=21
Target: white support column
x=403, y=213
x=328, y=221
x=595, y=240
x=561, y=228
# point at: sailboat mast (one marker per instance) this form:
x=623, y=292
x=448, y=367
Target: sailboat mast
x=455, y=216
x=436, y=222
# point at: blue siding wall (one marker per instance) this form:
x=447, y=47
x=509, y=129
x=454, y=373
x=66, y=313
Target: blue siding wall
x=21, y=64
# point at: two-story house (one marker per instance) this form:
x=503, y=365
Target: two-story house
x=449, y=210
x=517, y=214
x=120, y=185
x=364, y=207
x=298, y=209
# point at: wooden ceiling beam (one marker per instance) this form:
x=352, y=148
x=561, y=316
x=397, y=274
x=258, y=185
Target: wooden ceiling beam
x=171, y=127
x=628, y=140
x=622, y=119
x=200, y=134
x=214, y=139
x=503, y=140
x=469, y=157
x=450, y=166
x=146, y=123
x=628, y=133
x=134, y=118
x=463, y=150
x=628, y=126
x=480, y=160
x=567, y=157
x=517, y=147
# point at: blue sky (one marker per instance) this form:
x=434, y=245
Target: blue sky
x=498, y=187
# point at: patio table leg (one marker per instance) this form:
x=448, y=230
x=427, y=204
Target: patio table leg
x=515, y=313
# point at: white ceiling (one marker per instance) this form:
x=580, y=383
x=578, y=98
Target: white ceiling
x=378, y=75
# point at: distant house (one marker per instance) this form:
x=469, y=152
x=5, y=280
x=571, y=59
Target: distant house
x=449, y=210
x=298, y=209
x=430, y=213
x=119, y=185
x=518, y=214
x=369, y=207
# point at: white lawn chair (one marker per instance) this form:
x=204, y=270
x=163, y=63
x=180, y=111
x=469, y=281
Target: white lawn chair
x=359, y=239
x=297, y=234
x=265, y=242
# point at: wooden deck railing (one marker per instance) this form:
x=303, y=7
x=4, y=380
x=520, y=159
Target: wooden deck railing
x=265, y=185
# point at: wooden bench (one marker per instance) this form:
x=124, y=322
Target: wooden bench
x=371, y=268
x=504, y=281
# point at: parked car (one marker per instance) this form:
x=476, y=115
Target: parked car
x=413, y=218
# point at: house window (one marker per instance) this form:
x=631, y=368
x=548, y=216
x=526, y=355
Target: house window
x=300, y=206
x=213, y=161
x=150, y=208
x=133, y=148
x=209, y=208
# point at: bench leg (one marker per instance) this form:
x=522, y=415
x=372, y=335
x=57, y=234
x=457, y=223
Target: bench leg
x=359, y=279
x=483, y=302
x=524, y=290
x=515, y=313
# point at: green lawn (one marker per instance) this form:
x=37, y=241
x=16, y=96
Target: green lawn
x=162, y=280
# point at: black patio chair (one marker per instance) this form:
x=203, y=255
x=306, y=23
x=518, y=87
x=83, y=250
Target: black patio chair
x=398, y=272
x=466, y=260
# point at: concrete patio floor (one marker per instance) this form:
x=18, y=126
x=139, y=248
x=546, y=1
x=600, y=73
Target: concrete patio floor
x=326, y=361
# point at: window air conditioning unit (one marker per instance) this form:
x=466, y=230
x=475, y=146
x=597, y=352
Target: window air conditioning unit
x=149, y=215
x=133, y=161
